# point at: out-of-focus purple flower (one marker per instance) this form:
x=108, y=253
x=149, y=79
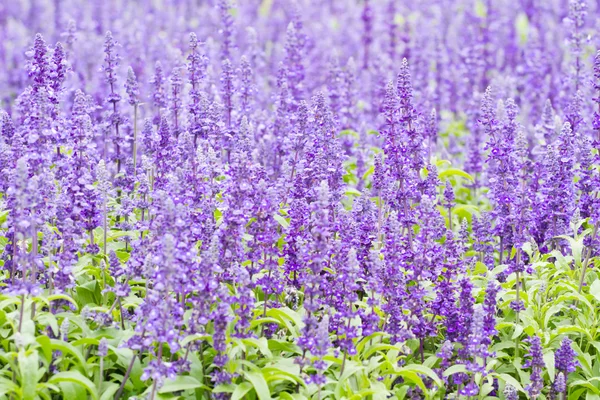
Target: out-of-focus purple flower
x=159, y=96
x=103, y=348
x=510, y=393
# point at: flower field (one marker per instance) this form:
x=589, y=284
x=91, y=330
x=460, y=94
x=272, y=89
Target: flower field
x=299, y=199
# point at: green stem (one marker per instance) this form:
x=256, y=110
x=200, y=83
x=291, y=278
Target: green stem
x=135, y=110
x=159, y=356
x=125, y=377
x=101, y=375
x=587, y=260
x=22, y=312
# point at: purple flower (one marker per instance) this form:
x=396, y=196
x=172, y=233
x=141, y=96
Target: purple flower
x=103, y=348
x=565, y=357
x=535, y=361
x=510, y=393
x=560, y=384
x=132, y=87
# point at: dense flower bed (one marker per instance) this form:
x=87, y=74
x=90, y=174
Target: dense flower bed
x=316, y=199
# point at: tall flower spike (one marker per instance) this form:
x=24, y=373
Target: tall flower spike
x=565, y=358
x=226, y=31
x=111, y=62
x=247, y=89
x=560, y=383
x=70, y=35
x=294, y=62
x=431, y=132
x=132, y=87
x=596, y=98
x=392, y=30
x=367, y=36
x=404, y=87
x=7, y=128
x=196, y=66
x=57, y=73
x=159, y=97
x=228, y=90
x=547, y=125
x=39, y=68
x=175, y=98
x=576, y=22
x=537, y=364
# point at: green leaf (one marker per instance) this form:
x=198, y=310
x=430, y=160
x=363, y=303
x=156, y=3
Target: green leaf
x=282, y=221
x=549, y=361
x=508, y=379
x=350, y=191
x=290, y=318
x=88, y=293
x=258, y=381
x=72, y=390
x=585, y=384
x=75, y=377
x=241, y=390
x=7, y=386
x=455, y=369
x=428, y=372
x=69, y=348
x=283, y=371
x=224, y=388
x=454, y=172
x=180, y=383
x=48, y=319
x=411, y=376
x=54, y=297
x=573, y=328
x=44, y=342
x=110, y=388
x=218, y=216
x=291, y=396
x=262, y=344
x=595, y=289
x=3, y=216
x=28, y=369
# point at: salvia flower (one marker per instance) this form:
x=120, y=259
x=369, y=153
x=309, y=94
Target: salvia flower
x=565, y=357
x=536, y=362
